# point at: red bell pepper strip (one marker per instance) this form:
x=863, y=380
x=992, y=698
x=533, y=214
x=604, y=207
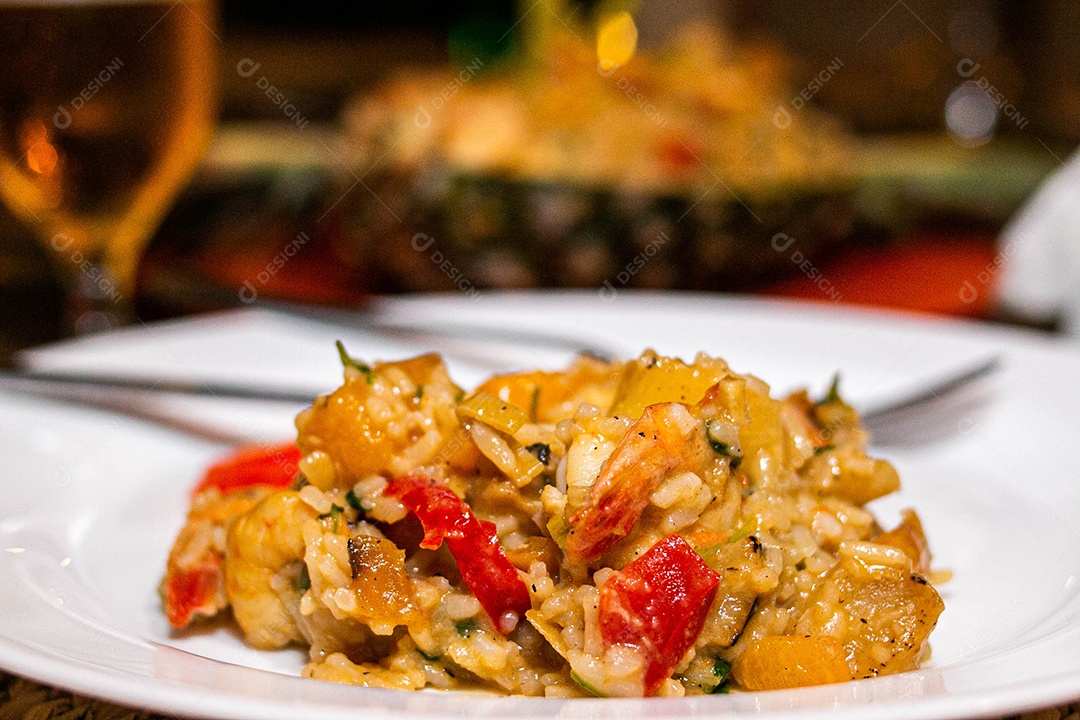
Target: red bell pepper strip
x=658, y=604
x=484, y=567
x=273, y=466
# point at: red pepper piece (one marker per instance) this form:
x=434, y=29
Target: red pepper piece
x=274, y=466
x=658, y=604
x=484, y=567
x=193, y=592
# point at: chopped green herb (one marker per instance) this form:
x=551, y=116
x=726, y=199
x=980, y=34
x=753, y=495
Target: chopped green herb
x=824, y=449
x=465, y=628
x=586, y=686
x=459, y=397
x=302, y=582
x=420, y=393
x=541, y=451
x=349, y=362
x=300, y=482
x=354, y=503
x=429, y=658
x=720, y=438
x=833, y=396
x=335, y=513
x=727, y=451
x=721, y=670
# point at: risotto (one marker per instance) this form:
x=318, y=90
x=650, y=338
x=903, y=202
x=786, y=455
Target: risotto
x=650, y=527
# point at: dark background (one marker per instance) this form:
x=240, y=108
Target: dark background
x=896, y=77
x=899, y=67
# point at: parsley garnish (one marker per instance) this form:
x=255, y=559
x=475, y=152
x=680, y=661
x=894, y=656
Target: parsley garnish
x=833, y=396
x=335, y=513
x=721, y=669
x=729, y=450
x=349, y=362
x=354, y=503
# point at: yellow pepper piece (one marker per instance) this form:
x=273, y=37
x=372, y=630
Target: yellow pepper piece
x=783, y=661
x=492, y=411
x=651, y=379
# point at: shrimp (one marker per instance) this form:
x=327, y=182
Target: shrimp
x=263, y=566
x=667, y=437
x=194, y=583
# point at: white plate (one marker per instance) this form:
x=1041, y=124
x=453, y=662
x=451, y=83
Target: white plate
x=89, y=503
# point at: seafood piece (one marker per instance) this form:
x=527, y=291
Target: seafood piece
x=193, y=585
x=667, y=437
x=263, y=555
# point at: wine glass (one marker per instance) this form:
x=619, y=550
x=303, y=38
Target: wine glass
x=105, y=109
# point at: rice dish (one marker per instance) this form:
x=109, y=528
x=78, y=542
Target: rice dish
x=637, y=528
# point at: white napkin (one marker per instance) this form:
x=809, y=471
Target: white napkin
x=1039, y=254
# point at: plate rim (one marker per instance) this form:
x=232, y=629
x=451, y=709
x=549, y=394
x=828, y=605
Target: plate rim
x=1051, y=689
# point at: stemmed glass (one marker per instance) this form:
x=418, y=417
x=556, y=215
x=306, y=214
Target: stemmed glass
x=105, y=109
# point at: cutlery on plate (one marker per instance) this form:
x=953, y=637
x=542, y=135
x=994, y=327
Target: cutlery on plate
x=920, y=414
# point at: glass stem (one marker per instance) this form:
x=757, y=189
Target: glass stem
x=96, y=299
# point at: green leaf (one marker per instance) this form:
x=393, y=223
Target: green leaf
x=721, y=669
x=466, y=627
x=720, y=447
x=833, y=396
x=354, y=503
x=335, y=513
x=349, y=362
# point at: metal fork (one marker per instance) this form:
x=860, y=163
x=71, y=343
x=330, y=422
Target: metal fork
x=927, y=412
